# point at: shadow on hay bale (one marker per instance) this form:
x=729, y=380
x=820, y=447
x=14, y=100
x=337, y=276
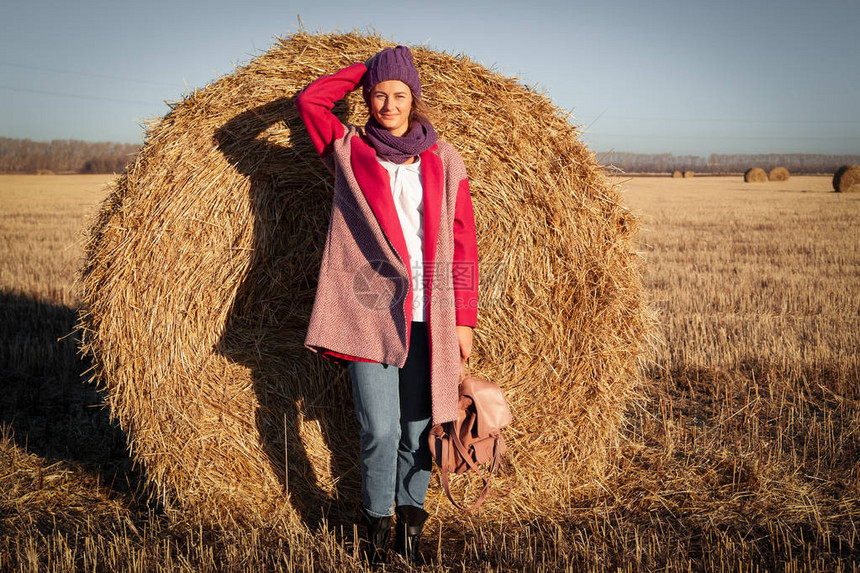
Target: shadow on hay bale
x=201, y=271
x=755, y=175
x=289, y=382
x=846, y=179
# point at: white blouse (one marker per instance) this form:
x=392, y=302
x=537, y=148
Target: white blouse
x=408, y=194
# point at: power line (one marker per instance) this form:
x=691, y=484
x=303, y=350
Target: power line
x=87, y=74
x=714, y=137
x=76, y=96
x=720, y=119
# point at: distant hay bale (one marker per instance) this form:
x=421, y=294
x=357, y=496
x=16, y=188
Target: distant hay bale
x=755, y=175
x=689, y=174
x=677, y=174
x=202, y=265
x=778, y=174
x=847, y=179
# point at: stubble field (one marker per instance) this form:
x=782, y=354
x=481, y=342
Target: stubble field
x=742, y=455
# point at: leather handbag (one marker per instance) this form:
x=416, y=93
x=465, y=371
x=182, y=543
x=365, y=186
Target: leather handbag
x=475, y=438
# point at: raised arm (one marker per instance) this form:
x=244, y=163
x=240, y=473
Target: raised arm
x=315, y=102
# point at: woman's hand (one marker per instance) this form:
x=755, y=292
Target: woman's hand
x=464, y=337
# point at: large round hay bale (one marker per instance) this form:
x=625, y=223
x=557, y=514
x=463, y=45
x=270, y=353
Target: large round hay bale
x=755, y=175
x=778, y=174
x=847, y=179
x=689, y=174
x=677, y=174
x=202, y=265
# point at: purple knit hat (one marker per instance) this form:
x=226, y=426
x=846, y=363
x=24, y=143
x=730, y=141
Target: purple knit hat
x=392, y=64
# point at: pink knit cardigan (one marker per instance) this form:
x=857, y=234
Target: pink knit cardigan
x=365, y=251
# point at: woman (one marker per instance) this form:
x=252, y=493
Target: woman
x=397, y=294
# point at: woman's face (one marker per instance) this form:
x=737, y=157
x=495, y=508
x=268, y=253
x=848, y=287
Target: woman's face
x=390, y=105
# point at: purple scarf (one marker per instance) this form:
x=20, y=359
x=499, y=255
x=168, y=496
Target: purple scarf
x=417, y=140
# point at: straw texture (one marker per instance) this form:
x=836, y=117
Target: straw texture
x=846, y=179
x=755, y=175
x=778, y=174
x=201, y=270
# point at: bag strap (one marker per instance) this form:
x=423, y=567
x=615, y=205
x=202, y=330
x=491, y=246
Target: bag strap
x=444, y=471
x=464, y=453
x=444, y=474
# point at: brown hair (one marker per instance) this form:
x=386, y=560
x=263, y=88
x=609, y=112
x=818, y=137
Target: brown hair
x=421, y=111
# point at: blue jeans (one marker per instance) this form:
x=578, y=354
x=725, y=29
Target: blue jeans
x=393, y=409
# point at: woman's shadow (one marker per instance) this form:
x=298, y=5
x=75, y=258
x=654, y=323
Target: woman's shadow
x=290, y=193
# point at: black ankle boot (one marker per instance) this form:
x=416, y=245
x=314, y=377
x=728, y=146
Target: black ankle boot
x=410, y=520
x=378, y=534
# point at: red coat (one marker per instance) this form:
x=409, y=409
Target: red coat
x=363, y=305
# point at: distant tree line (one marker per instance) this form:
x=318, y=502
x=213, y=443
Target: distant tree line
x=719, y=163
x=64, y=156
x=74, y=156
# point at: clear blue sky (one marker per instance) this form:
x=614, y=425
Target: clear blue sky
x=682, y=77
